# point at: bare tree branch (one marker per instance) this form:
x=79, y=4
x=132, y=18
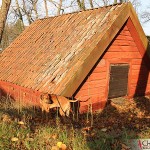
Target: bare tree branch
x=59, y=7
x=28, y=14
x=91, y=3
x=19, y=13
x=81, y=4
x=146, y=16
x=46, y=8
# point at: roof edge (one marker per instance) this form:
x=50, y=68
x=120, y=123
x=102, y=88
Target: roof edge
x=139, y=29
x=138, y=26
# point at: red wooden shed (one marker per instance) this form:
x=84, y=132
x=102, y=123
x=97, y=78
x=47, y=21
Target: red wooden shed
x=100, y=53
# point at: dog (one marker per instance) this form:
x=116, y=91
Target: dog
x=49, y=101
x=45, y=100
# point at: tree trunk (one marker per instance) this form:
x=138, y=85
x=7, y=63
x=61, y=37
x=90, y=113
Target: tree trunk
x=81, y=4
x=5, y=38
x=46, y=8
x=35, y=8
x=121, y=1
x=59, y=7
x=26, y=12
x=3, y=15
x=105, y=2
x=115, y=1
x=19, y=14
x=91, y=4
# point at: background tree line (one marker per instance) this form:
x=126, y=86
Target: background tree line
x=15, y=15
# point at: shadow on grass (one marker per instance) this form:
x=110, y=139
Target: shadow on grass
x=143, y=103
x=111, y=129
x=117, y=124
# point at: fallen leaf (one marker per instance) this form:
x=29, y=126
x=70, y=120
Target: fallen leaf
x=14, y=139
x=6, y=118
x=59, y=144
x=129, y=119
x=54, y=136
x=87, y=128
x=30, y=139
x=125, y=147
x=137, y=125
x=55, y=148
x=21, y=123
x=63, y=147
x=104, y=129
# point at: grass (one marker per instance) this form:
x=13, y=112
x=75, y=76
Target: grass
x=112, y=129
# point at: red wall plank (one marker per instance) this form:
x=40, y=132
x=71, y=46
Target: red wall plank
x=110, y=55
x=26, y=96
x=117, y=48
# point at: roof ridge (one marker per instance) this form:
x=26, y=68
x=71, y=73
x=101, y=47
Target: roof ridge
x=90, y=9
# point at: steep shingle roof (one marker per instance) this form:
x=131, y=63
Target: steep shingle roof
x=55, y=54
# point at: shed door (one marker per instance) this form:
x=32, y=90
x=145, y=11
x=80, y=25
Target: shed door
x=118, y=80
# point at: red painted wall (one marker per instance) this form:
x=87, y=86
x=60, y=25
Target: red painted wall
x=24, y=96
x=122, y=50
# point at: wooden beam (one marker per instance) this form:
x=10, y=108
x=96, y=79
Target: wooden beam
x=138, y=26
